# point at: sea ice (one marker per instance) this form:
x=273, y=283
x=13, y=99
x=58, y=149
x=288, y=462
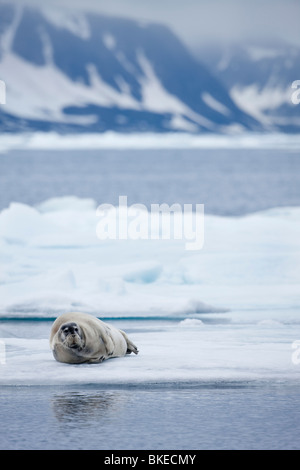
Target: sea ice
x=227, y=312
x=52, y=261
x=178, y=352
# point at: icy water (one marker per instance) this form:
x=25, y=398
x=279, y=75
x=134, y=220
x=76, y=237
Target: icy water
x=192, y=414
x=227, y=416
x=227, y=182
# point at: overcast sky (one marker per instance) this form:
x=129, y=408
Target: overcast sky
x=204, y=20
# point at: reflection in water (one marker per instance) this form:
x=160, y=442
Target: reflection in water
x=84, y=407
x=265, y=416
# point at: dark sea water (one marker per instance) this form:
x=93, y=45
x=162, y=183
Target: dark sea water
x=228, y=416
x=227, y=182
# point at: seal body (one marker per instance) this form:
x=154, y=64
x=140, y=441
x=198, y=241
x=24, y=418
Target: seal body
x=78, y=337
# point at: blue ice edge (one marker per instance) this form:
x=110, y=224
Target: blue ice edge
x=120, y=318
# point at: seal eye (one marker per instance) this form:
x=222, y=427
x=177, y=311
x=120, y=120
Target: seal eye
x=70, y=329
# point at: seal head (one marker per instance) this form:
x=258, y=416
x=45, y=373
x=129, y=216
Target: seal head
x=71, y=336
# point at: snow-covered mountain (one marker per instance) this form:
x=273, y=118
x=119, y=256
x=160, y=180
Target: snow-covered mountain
x=84, y=72
x=259, y=77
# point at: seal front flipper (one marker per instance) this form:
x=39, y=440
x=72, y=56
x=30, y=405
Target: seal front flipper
x=105, y=337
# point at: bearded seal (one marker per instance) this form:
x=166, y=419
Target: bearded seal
x=79, y=337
